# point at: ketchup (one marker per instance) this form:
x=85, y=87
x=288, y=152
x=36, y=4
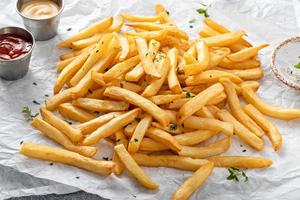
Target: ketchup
x=12, y=46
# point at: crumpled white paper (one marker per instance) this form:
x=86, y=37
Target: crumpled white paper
x=265, y=21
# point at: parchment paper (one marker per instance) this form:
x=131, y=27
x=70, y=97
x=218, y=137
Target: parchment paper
x=264, y=21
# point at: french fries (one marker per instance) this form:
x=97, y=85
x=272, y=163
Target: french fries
x=133, y=167
x=67, y=157
x=54, y=134
x=88, y=32
x=193, y=182
x=140, y=101
x=208, y=124
x=213, y=149
x=172, y=161
x=240, y=161
x=200, y=100
x=241, y=131
x=109, y=128
x=155, y=95
x=272, y=111
x=271, y=130
x=73, y=134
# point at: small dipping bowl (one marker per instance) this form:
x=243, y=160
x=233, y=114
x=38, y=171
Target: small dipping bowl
x=18, y=67
x=42, y=29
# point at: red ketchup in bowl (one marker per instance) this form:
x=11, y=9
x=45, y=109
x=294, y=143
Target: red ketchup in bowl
x=13, y=46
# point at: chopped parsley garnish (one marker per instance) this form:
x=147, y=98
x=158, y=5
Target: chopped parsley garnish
x=34, y=83
x=21, y=142
x=97, y=51
x=35, y=102
x=69, y=29
x=46, y=95
x=173, y=127
x=203, y=11
x=167, y=12
x=138, y=119
x=136, y=140
x=191, y=26
x=51, y=164
x=77, y=177
x=297, y=66
x=105, y=158
x=189, y=95
x=121, y=85
x=27, y=113
x=235, y=173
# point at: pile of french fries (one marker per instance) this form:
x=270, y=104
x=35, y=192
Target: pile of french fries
x=156, y=95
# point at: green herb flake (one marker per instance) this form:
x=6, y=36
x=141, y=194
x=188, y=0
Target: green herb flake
x=69, y=29
x=136, y=140
x=168, y=13
x=105, y=158
x=27, y=113
x=36, y=102
x=189, y=95
x=68, y=122
x=297, y=66
x=191, y=26
x=173, y=127
x=235, y=173
x=203, y=11
x=121, y=85
x=21, y=142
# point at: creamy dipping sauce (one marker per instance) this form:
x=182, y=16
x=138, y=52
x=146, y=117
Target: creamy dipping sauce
x=40, y=9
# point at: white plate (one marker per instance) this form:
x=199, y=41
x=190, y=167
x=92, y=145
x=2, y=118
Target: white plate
x=285, y=56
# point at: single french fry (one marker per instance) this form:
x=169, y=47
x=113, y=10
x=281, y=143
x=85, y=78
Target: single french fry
x=57, y=136
x=150, y=145
x=246, y=54
x=81, y=89
x=271, y=130
x=135, y=99
x=81, y=44
x=212, y=149
x=248, y=74
x=237, y=111
x=150, y=35
x=272, y=111
x=120, y=139
x=194, y=137
x=164, y=138
x=138, y=18
x=172, y=30
x=211, y=76
x=135, y=74
x=170, y=161
x=73, y=134
x=60, y=65
x=246, y=64
x=193, y=183
x=124, y=45
x=200, y=100
x=92, y=125
x=116, y=25
x=146, y=61
x=225, y=39
x=241, y=131
x=100, y=105
x=133, y=167
x=164, y=99
x=110, y=127
x=240, y=162
x=96, y=54
x=69, y=111
x=67, y=157
x=68, y=72
x=221, y=29
x=120, y=68
x=208, y=124
x=53, y=102
x=88, y=32
x=139, y=133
